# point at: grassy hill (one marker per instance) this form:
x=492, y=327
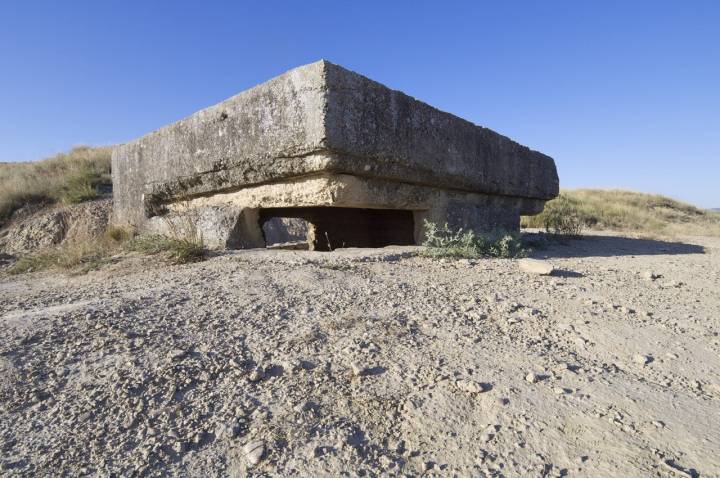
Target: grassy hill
x=627, y=211
x=69, y=178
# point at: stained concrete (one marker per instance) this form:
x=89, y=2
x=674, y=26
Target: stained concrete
x=320, y=135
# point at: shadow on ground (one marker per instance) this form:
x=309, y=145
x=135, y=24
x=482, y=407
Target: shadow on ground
x=607, y=246
x=566, y=274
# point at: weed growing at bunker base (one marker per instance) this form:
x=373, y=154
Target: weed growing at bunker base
x=441, y=241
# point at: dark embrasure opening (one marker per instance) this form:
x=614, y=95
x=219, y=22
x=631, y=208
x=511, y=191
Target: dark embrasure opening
x=328, y=228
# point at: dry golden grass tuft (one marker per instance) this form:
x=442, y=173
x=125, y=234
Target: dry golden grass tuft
x=77, y=257
x=176, y=250
x=68, y=178
x=81, y=256
x=627, y=211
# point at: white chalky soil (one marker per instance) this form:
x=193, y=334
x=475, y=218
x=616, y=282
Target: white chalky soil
x=370, y=363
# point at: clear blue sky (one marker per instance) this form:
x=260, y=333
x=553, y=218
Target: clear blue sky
x=622, y=94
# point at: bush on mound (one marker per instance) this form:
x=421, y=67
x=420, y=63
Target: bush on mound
x=70, y=178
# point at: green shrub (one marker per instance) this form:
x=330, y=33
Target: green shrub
x=444, y=242
x=562, y=217
x=79, y=188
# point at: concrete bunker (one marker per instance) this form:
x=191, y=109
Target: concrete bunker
x=326, y=156
x=329, y=228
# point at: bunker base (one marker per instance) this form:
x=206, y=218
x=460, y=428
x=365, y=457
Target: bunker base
x=328, y=211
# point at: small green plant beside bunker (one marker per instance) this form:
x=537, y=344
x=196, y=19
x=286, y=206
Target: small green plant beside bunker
x=441, y=241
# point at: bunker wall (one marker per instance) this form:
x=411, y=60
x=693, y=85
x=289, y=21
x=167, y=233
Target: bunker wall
x=321, y=118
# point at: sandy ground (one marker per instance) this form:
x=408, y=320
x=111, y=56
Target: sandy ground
x=368, y=363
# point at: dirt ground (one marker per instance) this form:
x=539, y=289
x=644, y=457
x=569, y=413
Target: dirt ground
x=368, y=363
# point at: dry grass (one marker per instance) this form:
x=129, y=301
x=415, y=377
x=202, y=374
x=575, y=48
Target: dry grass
x=76, y=257
x=177, y=250
x=82, y=256
x=628, y=211
x=69, y=178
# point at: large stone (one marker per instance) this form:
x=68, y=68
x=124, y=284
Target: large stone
x=254, y=451
x=323, y=136
x=535, y=266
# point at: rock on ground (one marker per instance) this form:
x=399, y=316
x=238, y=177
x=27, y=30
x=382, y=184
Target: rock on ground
x=148, y=370
x=535, y=266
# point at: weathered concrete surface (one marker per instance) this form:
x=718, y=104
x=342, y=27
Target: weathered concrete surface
x=460, y=209
x=323, y=121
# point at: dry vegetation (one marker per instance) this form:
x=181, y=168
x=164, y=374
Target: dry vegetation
x=80, y=175
x=74, y=177
x=76, y=257
x=625, y=211
x=82, y=256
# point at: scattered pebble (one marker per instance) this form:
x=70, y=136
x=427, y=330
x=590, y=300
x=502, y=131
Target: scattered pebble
x=359, y=369
x=676, y=470
x=642, y=359
x=256, y=375
x=650, y=275
x=254, y=451
x=535, y=266
x=489, y=433
x=470, y=386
